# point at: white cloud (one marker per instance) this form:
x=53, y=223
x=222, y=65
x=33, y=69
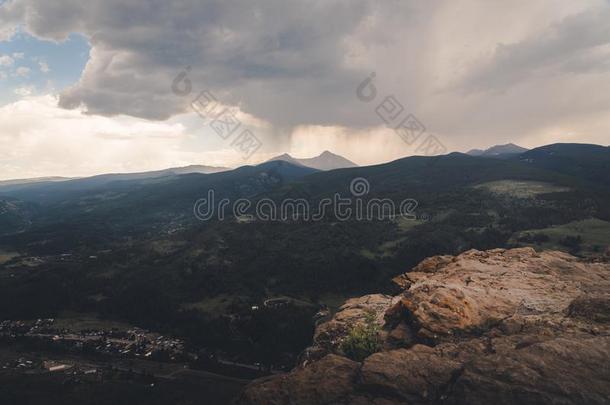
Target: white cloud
x=6, y=60
x=24, y=91
x=3, y=75
x=18, y=55
x=44, y=67
x=38, y=138
x=22, y=71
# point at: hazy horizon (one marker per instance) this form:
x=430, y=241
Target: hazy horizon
x=76, y=176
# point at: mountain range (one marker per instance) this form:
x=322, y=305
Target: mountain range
x=575, y=162
x=85, y=183
x=325, y=161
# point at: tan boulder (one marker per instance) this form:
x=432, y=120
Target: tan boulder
x=327, y=381
x=415, y=375
x=500, y=327
x=479, y=289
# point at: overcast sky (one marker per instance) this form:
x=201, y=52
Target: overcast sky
x=86, y=86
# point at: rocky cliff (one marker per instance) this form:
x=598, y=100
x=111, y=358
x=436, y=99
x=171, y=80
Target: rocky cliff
x=500, y=326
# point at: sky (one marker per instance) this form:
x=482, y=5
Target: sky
x=133, y=85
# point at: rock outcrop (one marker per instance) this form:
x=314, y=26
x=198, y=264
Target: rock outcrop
x=499, y=326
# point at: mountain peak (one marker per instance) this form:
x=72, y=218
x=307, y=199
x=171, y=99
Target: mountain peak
x=498, y=150
x=324, y=161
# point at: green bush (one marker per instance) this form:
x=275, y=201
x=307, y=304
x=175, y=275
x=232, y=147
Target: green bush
x=362, y=340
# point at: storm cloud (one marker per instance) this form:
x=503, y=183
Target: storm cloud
x=475, y=72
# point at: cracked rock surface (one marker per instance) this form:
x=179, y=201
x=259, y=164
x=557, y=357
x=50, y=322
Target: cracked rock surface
x=498, y=326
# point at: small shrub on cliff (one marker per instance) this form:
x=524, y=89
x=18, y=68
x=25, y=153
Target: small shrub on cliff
x=362, y=340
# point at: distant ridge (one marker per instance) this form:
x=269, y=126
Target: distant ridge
x=325, y=161
x=33, y=180
x=586, y=161
x=190, y=169
x=103, y=179
x=498, y=151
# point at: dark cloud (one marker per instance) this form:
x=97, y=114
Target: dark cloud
x=280, y=60
x=566, y=46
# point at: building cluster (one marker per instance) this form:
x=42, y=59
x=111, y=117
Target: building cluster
x=70, y=373
x=18, y=328
x=132, y=343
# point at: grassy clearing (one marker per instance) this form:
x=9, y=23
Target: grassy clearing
x=405, y=224
x=76, y=322
x=387, y=249
x=6, y=257
x=595, y=235
x=167, y=247
x=521, y=189
x=219, y=304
